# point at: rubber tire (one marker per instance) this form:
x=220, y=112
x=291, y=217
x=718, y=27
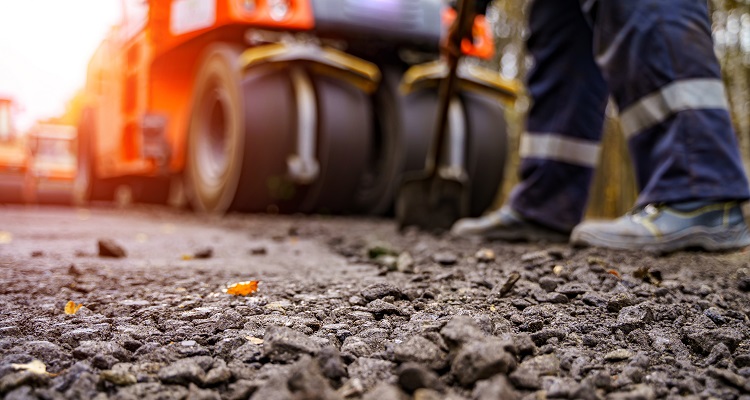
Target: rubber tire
x=487, y=149
x=401, y=136
x=343, y=146
x=270, y=137
x=87, y=187
x=407, y=128
x=212, y=184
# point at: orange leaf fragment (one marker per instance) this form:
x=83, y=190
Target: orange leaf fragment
x=242, y=288
x=613, y=272
x=72, y=308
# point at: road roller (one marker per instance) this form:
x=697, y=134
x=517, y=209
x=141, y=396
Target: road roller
x=311, y=106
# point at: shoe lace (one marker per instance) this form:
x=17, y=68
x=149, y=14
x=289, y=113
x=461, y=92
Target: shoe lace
x=645, y=211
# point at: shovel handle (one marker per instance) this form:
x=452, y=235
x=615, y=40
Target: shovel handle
x=447, y=88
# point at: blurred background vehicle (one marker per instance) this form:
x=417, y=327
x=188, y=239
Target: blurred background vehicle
x=53, y=162
x=15, y=184
x=282, y=105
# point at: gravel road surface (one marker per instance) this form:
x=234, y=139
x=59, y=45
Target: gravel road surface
x=349, y=308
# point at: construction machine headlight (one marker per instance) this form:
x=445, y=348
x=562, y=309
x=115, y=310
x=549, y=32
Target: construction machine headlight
x=278, y=9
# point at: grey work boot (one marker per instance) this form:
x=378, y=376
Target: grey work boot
x=506, y=224
x=664, y=228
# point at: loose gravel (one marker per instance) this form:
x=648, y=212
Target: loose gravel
x=351, y=308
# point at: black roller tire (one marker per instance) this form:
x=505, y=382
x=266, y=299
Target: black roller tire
x=343, y=146
x=87, y=186
x=402, y=132
x=216, y=139
x=407, y=128
x=270, y=137
x=486, y=150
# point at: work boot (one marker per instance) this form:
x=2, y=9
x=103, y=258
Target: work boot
x=506, y=224
x=663, y=228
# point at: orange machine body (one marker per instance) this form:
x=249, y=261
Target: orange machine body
x=146, y=66
x=147, y=63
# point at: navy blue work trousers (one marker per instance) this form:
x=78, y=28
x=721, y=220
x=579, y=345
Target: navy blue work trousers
x=655, y=58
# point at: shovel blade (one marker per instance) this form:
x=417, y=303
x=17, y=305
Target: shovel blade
x=431, y=203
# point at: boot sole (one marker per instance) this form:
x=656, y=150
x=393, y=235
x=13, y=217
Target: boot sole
x=714, y=240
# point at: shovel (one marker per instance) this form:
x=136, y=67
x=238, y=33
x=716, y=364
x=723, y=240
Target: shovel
x=433, y=199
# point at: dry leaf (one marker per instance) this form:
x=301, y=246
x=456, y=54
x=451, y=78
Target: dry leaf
x=254, y=340
x=485, y=255
x=36, y=367
x=187, y=257
x=72, y=308
x=508, y=286
x=645, y=274
x=242, y=288
x=613, y=272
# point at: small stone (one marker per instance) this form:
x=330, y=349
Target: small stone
x=742, y=360
x=529, y=374
x=618, y=355
x=18, y=379
x=109, y=248
x=480, y=360
x=351, y=388
x=715, y=315
x=485, y=255
x=385, y=391
x=524, y=344
x=196, y=393
x=743, y=284
x=258, y=251
x=720, y=354
x=381, y=308
x=405, y=263
x=555, y=298
x=429, y=394
x=282, y=344
x=445, y=259
x=204, y=253
x=573, y=289
x=118, y=378
x=560, y=388
x=420, y=350
x=499, y=387
x=727, y=376
x=182, y=372
x=594, y=300
x=413, y=376
x=92, y=348
x=217, y=376
x=639, y=392
x=380, y=290
x=634, y=317
x=704, y=340
x=548, y=283
x=461, y=329
x=371, y=371
x=536, y=257
x=188, y=343
x=331, y=364
x=540, y=338
x=620, y=301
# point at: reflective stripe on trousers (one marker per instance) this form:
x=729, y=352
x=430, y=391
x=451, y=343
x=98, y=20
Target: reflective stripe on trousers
x=656, y=59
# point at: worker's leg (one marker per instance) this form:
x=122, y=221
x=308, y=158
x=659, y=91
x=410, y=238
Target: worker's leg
x=561, y=146
x=658, y=59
